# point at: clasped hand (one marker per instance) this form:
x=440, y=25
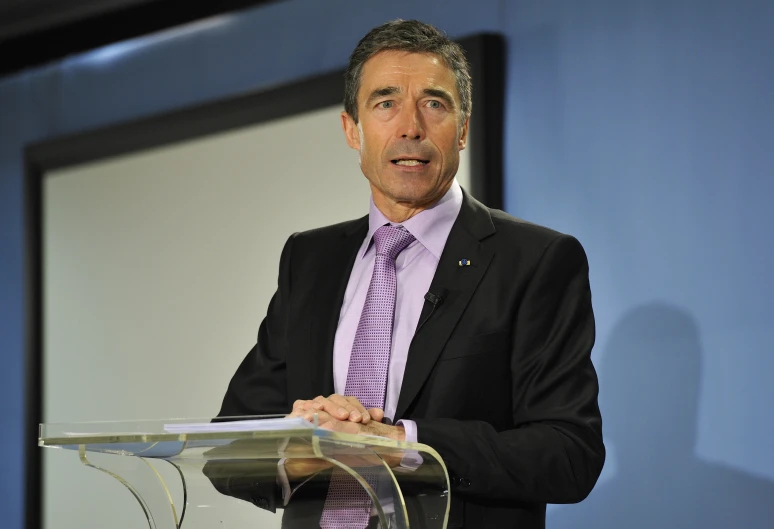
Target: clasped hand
x=341, y=414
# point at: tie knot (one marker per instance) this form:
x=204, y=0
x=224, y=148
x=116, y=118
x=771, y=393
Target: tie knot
x=391, y=240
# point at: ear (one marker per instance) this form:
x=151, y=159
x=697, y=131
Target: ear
x=463, y=142
x=351, y=133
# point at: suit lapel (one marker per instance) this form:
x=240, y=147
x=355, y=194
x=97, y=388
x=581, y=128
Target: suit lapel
x=330, y=287
x=473, y=224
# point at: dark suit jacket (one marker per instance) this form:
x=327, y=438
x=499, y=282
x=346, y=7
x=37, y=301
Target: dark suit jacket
x=498, y=379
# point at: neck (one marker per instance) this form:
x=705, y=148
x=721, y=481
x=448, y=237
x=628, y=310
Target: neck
x=397, y=211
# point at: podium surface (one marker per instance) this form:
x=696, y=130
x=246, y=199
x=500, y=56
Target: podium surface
x=192, y=473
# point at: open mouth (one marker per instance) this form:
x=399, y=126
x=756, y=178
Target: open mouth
x=410, y=162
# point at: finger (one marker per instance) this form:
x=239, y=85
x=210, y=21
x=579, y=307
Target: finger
x=350, y=405
x=311, y=405
x=332, y=408
x=304, y=409
x=365, y=416
x=295, y=412
x=376, y=414
x=301, y=405
x=307, y=405
x=357, y=412
x=336, y=405
x=309, y=415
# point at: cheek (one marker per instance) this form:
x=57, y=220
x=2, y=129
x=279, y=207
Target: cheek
x=366, y=156
x=449, y=139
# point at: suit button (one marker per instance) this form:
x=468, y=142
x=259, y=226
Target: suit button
x=454, y=480
x=465, y=482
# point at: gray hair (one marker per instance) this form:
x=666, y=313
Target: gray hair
x=414, y=37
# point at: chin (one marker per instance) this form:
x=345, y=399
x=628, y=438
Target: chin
x=417, y=196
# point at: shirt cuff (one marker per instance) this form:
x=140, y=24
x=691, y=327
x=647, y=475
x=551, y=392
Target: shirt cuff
x=410, y=428
x=411, y=460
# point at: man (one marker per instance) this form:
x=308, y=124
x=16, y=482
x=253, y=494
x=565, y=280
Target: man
x=492, y=368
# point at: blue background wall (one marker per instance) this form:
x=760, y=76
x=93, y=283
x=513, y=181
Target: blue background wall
x=643, y=128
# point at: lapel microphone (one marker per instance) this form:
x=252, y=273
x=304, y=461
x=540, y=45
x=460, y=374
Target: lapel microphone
x=435, y=300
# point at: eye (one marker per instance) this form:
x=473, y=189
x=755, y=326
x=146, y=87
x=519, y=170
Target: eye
x=434, y=104
x=385, y=104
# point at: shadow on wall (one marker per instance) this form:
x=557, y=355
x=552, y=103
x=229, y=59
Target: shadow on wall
x=650, y=374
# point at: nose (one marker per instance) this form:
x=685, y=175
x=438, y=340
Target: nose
x=411, y=126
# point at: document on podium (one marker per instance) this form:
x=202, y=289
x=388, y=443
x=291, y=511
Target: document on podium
x=251, y=425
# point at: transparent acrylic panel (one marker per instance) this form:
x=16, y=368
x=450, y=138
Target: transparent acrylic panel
x=412, y=486
x=229, y=474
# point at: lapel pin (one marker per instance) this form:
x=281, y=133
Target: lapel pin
x=465, y=262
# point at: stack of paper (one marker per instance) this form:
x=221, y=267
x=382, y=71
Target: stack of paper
x=253, y=425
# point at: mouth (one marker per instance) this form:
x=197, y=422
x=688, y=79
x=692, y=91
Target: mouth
x=409, y=162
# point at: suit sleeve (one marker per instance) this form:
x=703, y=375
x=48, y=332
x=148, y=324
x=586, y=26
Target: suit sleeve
x=554, y=453
x=259, y=387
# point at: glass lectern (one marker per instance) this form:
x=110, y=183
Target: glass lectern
x=187, y=473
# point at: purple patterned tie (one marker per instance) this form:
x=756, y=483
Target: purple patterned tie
x=348, y=505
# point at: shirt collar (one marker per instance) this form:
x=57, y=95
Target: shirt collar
x=430, y=227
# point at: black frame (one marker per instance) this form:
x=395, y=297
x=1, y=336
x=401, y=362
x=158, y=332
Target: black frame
x=485, y=52
x=36, y=32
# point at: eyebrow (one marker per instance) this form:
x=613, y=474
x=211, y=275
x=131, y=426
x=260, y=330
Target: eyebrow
x=381, y=92
x=441, y=94
x=433, y=92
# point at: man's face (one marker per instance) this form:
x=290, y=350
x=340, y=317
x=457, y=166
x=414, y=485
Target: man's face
x=410, y=130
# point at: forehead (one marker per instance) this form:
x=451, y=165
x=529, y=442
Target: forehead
x=401, y=69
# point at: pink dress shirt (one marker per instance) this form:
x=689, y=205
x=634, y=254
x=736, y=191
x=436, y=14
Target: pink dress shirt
x=415, y=267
